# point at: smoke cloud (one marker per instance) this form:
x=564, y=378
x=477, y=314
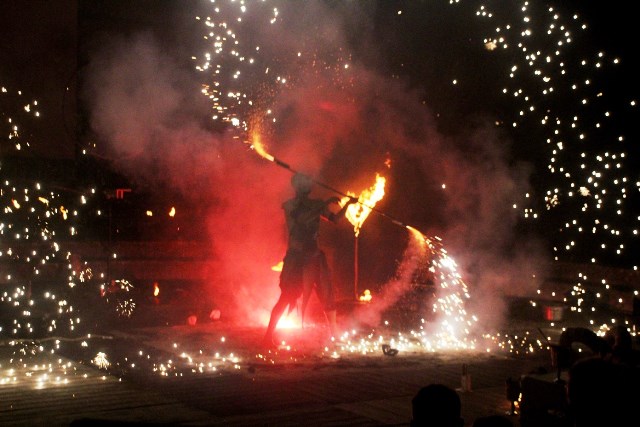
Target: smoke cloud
x=337, y=118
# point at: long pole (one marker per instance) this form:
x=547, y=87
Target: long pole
x=321, y=184
x=355, y=268
x=259, y=148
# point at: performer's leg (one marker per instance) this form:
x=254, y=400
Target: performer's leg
x=290, y=283
x=331, y=319
x=306, y=295
x=324, y=290
x=276, y=314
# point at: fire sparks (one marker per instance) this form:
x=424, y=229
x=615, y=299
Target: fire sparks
x=557, y=87
x=101, y=361
x=598, y=180
x=116, y=294
x=238, y=105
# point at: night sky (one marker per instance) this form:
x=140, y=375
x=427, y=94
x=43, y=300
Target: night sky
x=470, y=158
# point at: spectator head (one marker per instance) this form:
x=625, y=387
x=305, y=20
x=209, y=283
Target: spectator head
x=436, y=405
x=493, y=421
x=601, y=392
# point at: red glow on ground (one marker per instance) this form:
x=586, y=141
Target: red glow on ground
x=290, y=321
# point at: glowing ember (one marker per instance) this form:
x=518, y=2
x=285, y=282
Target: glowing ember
x=366, y=296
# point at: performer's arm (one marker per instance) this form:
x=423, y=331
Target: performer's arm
x=335, y=217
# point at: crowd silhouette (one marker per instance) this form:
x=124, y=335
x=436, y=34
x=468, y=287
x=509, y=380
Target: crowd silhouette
x=601, y=389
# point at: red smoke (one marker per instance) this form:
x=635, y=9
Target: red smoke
x=340, y=126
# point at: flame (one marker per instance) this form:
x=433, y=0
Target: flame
x=172, y=212
x=156, y=289
x=357, y=213
x=387, y=161
x=417, y=234
x=433, y=243
x=278, y=266
x=259, y=147
x=366, y=296
x=149, y=213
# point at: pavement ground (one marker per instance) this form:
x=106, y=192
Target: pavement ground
x=215, y=374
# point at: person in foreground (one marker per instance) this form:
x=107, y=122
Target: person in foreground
x=436, y=405
x=305, y=264
x=495, y=420
x=602, y=392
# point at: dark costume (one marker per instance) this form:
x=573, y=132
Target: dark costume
x=305, y=265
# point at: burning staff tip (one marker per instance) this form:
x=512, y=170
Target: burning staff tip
x=259, y=148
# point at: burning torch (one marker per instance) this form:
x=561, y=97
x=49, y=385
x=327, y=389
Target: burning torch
x=258, y=147
x=356, y=213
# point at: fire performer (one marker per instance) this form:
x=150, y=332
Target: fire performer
x=305, y=265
